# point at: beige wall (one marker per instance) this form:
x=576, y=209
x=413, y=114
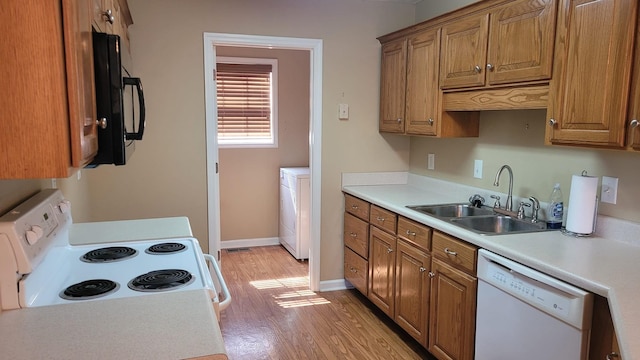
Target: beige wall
x=13, y=192
x=427, y=9
x=166, y=175
x=249, y=180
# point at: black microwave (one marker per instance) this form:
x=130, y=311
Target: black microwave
x=120, y=109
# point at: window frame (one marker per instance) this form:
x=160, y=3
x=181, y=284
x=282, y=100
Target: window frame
x=247, y=142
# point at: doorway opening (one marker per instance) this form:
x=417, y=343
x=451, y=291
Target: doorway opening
x=314, y=47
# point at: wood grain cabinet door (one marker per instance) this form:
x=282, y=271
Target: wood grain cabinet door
x=392, y=86
x=463, y=52
x=521, y=37
x=589, y=91
x=382, y=255
x=422, y=110
x=412, y=291
x=453, y=312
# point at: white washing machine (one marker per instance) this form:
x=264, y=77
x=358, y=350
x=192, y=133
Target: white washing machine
x=295, y=196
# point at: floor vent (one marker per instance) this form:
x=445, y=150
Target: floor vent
x=238, y=249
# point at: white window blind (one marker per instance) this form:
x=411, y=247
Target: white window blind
x=244, y=103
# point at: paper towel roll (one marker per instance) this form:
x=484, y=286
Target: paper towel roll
x=582, y=204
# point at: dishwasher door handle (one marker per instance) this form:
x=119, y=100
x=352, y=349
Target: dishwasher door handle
x=218, y=274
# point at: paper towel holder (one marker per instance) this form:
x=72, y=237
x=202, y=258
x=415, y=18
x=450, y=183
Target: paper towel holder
x=566, y=232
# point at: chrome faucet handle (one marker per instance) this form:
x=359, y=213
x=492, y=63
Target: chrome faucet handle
x=535, y=207
x=497, y=203
x=476, y=200
x=521, y=209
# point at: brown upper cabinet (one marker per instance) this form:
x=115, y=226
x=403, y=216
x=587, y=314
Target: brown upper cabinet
x=48, y=126
x=410, y=99
x=590, y=90
x=512, y=43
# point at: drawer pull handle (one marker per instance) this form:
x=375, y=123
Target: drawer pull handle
x=380, y=218
x=612, y=356
x=389, y=250
x=354, y=206
x=449, y=252
x=422, y=269
x=353, y=235
x=354, y=270
x=411, y=233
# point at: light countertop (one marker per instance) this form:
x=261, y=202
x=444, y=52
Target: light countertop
x=129, y=230
x=175, y=325
x=605, y=264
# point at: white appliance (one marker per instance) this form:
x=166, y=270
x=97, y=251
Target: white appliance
x=526, y=315
x=38, y=266
x=295, y=196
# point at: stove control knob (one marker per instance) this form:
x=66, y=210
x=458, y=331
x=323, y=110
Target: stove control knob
x=34, y=234
x=64, y=206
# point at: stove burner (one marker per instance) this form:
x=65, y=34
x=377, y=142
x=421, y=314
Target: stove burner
x=89, y=289
x=165, y=248
x=161, y=280
x=109, y=254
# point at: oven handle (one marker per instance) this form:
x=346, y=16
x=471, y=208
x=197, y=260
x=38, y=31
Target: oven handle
x=227, y=295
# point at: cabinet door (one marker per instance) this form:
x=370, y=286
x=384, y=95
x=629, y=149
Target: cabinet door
x=80, y=81
x=464, y=52
x=590, y=86
x=633, y=124
x=521, y=36
x=412, y=291
x=422, y=95
x=382, y=247
x=452, y=313
x=392, y=86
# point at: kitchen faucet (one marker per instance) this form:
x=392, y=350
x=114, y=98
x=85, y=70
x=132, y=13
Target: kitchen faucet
x=509, y=204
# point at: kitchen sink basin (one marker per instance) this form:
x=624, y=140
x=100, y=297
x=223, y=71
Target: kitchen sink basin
x=498, y=224
x=452, y=210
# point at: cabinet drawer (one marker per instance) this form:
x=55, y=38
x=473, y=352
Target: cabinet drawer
x=355, y=270
x=455, y=252
x=357, y=207
x=356, y=235
x=415, y=233
x=383, y=219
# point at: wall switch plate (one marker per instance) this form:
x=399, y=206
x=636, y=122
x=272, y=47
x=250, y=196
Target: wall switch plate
x=609, y=191
x=431, y=161
x=343, y=111
x=477, y=169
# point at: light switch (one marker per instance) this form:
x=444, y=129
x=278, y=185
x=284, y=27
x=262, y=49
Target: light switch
x=431, y=161
x=477, y=169
x=343, y=111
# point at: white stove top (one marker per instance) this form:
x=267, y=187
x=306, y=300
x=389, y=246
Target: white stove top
x=62, y=267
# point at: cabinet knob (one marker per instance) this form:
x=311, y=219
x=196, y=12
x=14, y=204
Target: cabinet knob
x=422, y=269
x=431, y=274
x=430, y=121
x=490, y=67
x=449, y=252
x=102, y=123
x=477, y=69
x=399, y=120
x=108, y=15
x=612, y=356
x=552, y=122
x=389, y=250
x=634, y=124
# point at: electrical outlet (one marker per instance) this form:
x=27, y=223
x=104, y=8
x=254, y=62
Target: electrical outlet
x=609, y=191
x=477, y=169
x=431, y=161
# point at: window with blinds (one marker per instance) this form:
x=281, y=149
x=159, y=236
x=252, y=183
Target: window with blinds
x=245, y=102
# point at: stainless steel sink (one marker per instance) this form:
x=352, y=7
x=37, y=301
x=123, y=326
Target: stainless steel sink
x=452, y=210
x=498, y=224
x=481, y=220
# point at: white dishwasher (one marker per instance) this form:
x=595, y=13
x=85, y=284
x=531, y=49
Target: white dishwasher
x=524, y=314
x=295, y=196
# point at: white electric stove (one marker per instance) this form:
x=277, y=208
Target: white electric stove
x=38, y=266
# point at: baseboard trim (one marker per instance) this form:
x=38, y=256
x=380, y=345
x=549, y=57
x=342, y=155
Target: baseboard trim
x=333, y=285
x=232, y=244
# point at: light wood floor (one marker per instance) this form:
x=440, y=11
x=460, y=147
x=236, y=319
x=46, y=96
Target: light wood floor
x=273, y=314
